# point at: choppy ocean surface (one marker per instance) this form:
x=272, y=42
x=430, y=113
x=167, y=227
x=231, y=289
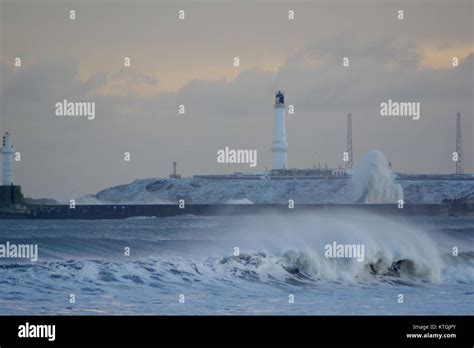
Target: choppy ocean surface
x=279, y=257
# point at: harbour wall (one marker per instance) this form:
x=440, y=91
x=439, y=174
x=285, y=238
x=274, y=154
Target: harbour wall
x=90, y=212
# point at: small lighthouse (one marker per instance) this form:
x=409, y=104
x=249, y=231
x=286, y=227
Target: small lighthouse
x=11, y=197
x=7, y=154
x=279, y=146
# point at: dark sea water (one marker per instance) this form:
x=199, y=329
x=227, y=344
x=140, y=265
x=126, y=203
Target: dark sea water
x=195, y=259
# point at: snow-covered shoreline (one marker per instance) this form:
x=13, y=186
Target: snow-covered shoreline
x=371, y=181
x=202, y=191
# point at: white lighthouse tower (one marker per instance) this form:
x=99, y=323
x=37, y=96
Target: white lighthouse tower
x=279, y=146
x=7, y=154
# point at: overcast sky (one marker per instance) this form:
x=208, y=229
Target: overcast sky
x=190, y=62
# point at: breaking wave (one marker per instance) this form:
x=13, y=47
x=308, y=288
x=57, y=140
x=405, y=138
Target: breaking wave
x=292, y=268
x=273, y=250
x=373, y=181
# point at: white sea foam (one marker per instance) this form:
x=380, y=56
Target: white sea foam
x=239, y=201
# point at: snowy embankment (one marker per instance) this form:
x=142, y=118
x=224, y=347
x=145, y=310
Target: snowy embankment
x=161, y=191
x=372, y=181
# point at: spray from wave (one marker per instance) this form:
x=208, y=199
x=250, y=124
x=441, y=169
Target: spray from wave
x=295, y=247
x=373, y=181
